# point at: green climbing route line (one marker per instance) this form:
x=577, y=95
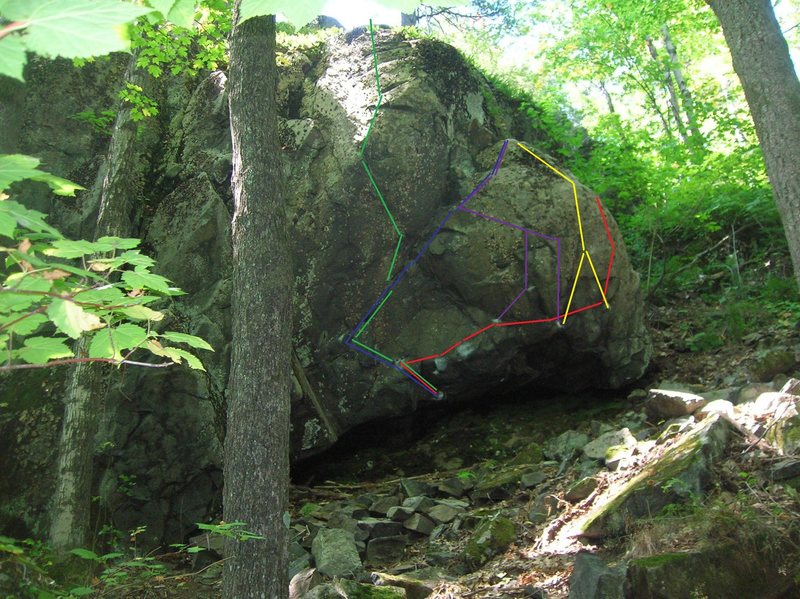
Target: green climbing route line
x=372, y=351
x=378, y=309
x=364, y=162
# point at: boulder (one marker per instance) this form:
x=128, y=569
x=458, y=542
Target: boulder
x=381, y=505
x=444, y=514
x=592, y=578
x=715, y=572
x=664, y=403
x=335, y=553
x=597, y=449
x=528, y=480
x=723, y=407
x=386, y=550
x=349, y=589
x=302, y=582
x=490, y=538
x=682, y=473
x=413, y=488
x=565, y=446
x=419, y=523
x=581, y=489
x=375, y=528
x=510, y=255
x=419, y=503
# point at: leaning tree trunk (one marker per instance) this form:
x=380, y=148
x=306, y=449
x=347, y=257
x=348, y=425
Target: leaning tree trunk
x=762, y=62
x=257, y=439
x=70, y=506
x=670, y=87
x=686, y=95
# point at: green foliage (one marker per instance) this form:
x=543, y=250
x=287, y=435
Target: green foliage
x=68, y=28
x=56, y=289
x=309, y=508
x=182, y=48
x=99, y=122
x=301, y=12
x=140, y=104
x=231, y=530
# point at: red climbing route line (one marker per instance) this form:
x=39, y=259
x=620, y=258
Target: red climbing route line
x=534, y=321
x=418, y=378
x=610, y=240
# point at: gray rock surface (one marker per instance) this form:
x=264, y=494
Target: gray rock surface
x=665, y=403
x=386, y=550
x=597, y=449
x=335, y=553
x=593, y=579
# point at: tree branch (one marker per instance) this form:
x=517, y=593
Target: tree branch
x=66, y=361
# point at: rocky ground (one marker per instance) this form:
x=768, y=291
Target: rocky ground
x=685, y=492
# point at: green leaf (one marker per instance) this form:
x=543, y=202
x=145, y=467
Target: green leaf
x=71, y=319
x=23, y=217
x=142, y=313
x=69, y=248
x=110, y=343
x=7, y=223
x=81, y=591
x=189, y=340
x=19, y=301
x=27, y=325
x=74, y=28
x=12, y=56
x=140, y=279
x=177, y=355
x=182, y=14
x=59, y=186
x=40, y=350
x=16, y=167
x=84, y=553
x=106, y=294
x=119, y=243
x=162, y=6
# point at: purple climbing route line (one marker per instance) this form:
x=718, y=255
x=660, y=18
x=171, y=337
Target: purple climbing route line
x=403, y=366
x=425, y=247
x=524, y=278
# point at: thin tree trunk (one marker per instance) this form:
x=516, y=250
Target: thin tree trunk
x=609, y=101
x=686, y=95
x=762, y=62
x=70, y=507
x=673, y=95
x=257, y=440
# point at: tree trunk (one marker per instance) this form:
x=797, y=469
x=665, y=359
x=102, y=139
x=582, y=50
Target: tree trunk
x=762, y=62
x=686, y=95
x=673, y=95
x=257, y=440
x=70, y=507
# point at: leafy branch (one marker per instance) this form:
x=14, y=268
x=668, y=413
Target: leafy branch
x=58, y=289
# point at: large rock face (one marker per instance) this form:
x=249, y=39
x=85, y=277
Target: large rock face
x=447, y=273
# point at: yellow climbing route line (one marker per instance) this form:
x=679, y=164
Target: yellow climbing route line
x=585, y=255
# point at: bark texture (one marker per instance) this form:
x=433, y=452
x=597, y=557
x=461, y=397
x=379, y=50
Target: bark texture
x=116, y=189
x=762, y=62
x=257, y=440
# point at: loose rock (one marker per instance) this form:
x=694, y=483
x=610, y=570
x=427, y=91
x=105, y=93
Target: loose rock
x=335, y=552
x=663, y=403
